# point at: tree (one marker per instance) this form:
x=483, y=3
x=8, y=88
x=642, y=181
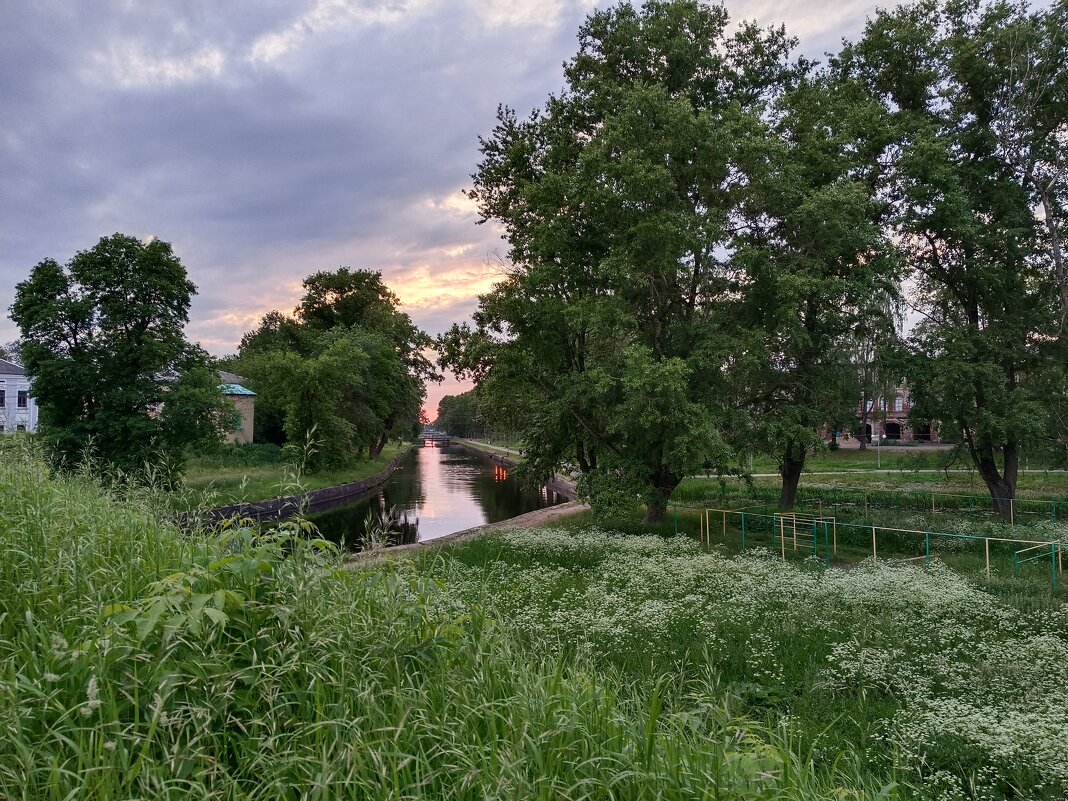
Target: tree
x=348, y=363
x=975, y=126
x=816, y=265
x=103, y=344
x=606, y=338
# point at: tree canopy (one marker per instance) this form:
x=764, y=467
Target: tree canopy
x=703, y=234
x=102, y=340
x=347, y=369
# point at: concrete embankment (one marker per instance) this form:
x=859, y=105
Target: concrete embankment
x=559, y=484
x=308, y=502
x=536, y=519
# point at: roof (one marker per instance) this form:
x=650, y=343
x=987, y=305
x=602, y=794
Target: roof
x=10, y=368
x=231, y=378
x=235, y=389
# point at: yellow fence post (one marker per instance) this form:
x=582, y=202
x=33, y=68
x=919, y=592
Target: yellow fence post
x=782, y=535
x=988, y=558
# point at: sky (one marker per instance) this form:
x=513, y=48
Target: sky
x=271, y=139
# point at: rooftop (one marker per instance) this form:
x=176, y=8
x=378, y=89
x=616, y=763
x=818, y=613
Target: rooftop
x=10, y=368
x=235, y=389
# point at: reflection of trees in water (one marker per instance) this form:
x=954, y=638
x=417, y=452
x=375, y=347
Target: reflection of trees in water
x=406, y=490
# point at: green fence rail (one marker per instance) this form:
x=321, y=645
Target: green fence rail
x=817, y=534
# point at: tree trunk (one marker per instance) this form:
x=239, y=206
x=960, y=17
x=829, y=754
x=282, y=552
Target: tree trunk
x=1002, y=487
x=791, y=476
x=376, y=448
x=664, y=485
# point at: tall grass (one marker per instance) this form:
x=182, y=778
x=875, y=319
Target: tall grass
x=138, y=663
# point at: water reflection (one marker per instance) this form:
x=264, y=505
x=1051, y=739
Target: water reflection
x=446, y=489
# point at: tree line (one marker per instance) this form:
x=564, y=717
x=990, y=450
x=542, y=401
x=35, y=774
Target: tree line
x=712, y=239
x=116, y=381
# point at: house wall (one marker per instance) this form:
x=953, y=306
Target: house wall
x=246, y=407
x=11, y=416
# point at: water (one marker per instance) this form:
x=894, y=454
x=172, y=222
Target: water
x=447, y=489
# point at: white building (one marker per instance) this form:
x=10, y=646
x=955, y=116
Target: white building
x=18, y=410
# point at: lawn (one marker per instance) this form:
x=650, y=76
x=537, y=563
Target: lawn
x=232, y=476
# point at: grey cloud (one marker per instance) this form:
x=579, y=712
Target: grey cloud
x=151, y=118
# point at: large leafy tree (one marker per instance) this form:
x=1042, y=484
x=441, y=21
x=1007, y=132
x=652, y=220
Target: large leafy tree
x=348, y=364
x=977, y=96
x=816, y=267
x=616, y=200
x=103, y=343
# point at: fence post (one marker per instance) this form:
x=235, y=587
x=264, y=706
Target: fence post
x=932, y=503
x=675, y=508
x=927, y=548
x=874, y=555
x=834, y=524
x=724, y=525
x=782, y=535
x=865, y=504
x=815, y=539
x=988, y=558
x=1012, y=511
x=1053, y=565
x=743, y=532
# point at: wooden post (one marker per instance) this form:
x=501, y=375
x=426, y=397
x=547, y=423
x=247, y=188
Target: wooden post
x=874, y=555
x=724, y=525
x=932, y=503
x=782, y=535
x=795, y=530
x=988, y=558
x=835, y=527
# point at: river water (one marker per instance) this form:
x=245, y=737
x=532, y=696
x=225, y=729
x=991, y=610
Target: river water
x=446, y=489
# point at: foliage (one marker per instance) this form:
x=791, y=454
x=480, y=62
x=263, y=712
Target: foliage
x=606, y=338
x=140, y=662
x=349, y=363
x=915, y=673
x=817, y=268
x=976, y=95
x=112, y=372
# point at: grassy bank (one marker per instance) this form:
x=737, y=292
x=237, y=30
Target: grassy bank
x=260, y=472
x=137, y=662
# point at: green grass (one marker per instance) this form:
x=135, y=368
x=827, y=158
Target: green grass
x=955, y=688
x=231, y=477
x=140, y=662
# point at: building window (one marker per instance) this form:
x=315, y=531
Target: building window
x=3, y=394
x=20, y=427
x=899, y=404
x=24, y=399
x=882, y=404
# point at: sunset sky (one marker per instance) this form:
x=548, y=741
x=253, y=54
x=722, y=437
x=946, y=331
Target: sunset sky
x=268, y=140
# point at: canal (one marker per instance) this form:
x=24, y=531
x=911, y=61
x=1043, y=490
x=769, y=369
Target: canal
x=446, y=489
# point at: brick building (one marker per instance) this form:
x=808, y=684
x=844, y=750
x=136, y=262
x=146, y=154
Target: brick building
x=887, y=417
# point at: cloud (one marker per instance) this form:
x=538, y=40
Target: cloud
x=130, y=65
x=266, y=141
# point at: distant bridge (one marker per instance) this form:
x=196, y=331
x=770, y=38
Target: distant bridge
x=432, y=437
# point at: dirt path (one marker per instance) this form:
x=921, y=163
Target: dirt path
x=539, y=517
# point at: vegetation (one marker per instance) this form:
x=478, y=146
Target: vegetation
x=348, y=369
x=708, y=243
x=259, y=472
x=141, y=662
x=979, y=114
x=112, y=373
